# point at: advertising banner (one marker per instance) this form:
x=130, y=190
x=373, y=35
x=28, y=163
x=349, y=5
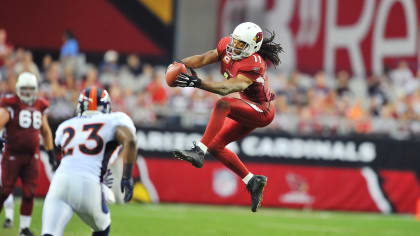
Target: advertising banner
x=361, y=36
x=354, y=173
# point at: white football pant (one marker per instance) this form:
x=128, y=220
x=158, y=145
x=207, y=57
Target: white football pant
x=73, y=193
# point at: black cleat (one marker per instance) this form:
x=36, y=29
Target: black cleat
x=25, y=232
x=195, y=155
x=8, y=223
x=255, y=187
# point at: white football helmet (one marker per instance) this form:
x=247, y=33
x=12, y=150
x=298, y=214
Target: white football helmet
x=249, y=33
x=27, y=87
x=93, y=100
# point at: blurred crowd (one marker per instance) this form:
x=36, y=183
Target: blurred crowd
x=318, y=104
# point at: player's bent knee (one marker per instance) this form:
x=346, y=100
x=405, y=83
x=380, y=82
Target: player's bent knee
x=223, y=104
x=102, y=233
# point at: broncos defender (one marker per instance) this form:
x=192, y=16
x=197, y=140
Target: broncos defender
x=24, y=117
x=87, y=142
x=242, y=57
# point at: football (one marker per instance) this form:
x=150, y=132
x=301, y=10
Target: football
x=173, y=71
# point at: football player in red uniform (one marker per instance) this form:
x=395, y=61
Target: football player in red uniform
x=23, y=116
x=242, y=57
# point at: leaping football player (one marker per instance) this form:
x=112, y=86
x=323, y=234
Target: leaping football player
x=87, y=142
x=24, y=116
x=243, y=58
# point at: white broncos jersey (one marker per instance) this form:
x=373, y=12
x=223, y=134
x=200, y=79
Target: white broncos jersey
x=88, y=142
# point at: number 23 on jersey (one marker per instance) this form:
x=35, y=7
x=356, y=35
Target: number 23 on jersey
x=93, y=135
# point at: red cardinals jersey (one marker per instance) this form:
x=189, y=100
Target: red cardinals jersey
x=23, y=127
x=253, y=67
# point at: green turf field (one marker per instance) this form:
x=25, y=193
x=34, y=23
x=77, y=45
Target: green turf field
x=197, y=220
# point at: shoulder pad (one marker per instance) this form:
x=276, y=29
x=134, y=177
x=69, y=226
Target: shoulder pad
x=8, y=99
x=254, y=63
x=221, y=45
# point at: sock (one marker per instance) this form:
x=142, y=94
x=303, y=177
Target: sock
x=202, y=147
x=8, y=207
x=9, y=213
x=220, y=111
x=247, y=178
x=25, y=221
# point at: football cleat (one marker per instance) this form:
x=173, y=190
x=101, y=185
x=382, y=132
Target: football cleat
x=8, y=223
x=25, y=232
x=255, y=187
x=195, y=155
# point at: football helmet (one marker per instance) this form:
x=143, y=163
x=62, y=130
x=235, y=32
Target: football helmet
x=27, y=87
x=93, y=100
x=248, y=33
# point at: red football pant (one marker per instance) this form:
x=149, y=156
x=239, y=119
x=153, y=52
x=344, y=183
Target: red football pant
x=25, y=168
x=233, y=119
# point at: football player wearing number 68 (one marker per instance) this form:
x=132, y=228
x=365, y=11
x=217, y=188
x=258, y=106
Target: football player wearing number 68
x=87, y=142
x=23, y=115
x=242, y=58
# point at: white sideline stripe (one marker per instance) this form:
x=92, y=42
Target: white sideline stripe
x=375, y=190
x=318, y=228
x=304, y=227
x=144, y=176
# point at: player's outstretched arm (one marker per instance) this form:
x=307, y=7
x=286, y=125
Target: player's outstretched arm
x=126, y=138
x=236, y=84
x=201, y=60
x=48, y=142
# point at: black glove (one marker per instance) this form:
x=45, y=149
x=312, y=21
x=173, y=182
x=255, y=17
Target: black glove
x=127, y=182
x=185, y=80
x=127, y=188
x=52, y=159
x=2, y=142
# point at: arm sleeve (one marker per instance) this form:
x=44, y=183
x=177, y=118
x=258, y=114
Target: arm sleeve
x=58, y=136
x=5, y=101
x=45, y=106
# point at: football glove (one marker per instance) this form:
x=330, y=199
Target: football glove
x=52, y=159
x=185, y=80
x=127, y=182
x=2, y=142
x=108, y=179
x=127, y=188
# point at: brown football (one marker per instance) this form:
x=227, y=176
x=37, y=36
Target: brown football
x=173, y=71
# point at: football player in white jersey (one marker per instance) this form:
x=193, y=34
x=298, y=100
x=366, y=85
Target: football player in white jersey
x=87, y=141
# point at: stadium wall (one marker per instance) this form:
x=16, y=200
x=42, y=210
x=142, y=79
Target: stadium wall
x=351, y=174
